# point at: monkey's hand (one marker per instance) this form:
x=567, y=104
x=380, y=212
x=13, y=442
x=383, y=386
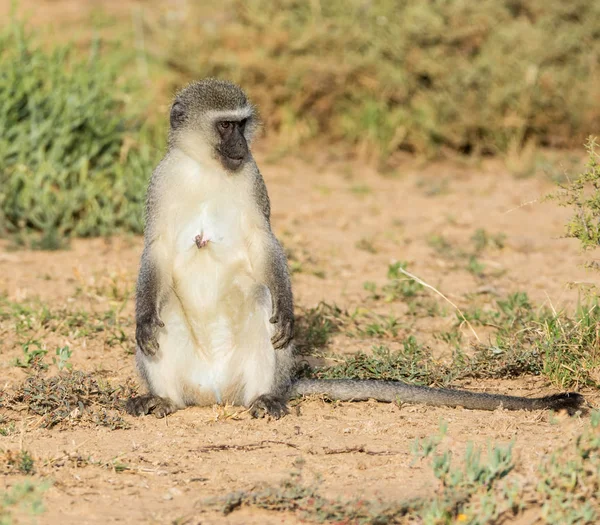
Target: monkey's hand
x=146, y=331
x=283, y=319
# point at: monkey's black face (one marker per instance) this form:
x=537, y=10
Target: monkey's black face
x=232, y=149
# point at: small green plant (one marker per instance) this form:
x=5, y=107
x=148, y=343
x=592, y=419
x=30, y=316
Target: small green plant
x=526, y=340
x=441, y=245
x=425, y=307
x=398, y=286
x=475, y=266
x=6, y=428
x=382, y=327
x=63, y=355
x=33, y=355
x=23, y=497
x=482, y=239
x=424, y=448
x=516, y=306
x=360, y=189
x=366, y=245
x=315, y=326
x=20, y=462
x=515, y=311
x=119, y=466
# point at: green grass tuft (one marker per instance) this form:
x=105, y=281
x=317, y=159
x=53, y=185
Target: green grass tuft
x=73, y=160
x=25, y=497
x=582, y=195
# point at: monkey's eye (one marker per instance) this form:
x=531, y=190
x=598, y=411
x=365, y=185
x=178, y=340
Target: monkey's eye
x=224, y=125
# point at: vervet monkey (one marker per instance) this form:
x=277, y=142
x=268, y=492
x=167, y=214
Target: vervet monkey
x=214, y=306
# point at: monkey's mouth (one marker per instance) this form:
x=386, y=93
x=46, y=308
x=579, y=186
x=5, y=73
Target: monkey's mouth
x=235, y=162
x=231, y=163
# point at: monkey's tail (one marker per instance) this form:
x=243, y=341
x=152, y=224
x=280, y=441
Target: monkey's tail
x=390, y=391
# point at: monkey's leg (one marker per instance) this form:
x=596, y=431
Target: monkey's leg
x=274, y=403
x=163, y=372
x=265, y=374
x=149, y=403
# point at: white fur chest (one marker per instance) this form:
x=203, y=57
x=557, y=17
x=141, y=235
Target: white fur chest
x=215, y=223
x=208, y=203
x=207, y=222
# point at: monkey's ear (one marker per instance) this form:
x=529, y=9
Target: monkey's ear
x=177, y=114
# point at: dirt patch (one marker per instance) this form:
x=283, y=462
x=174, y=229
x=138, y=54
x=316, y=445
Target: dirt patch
x=164, y=470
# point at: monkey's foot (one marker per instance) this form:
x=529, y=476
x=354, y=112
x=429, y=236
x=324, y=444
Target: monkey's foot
x=273, y=406
x=149, y=404
x=200, y=241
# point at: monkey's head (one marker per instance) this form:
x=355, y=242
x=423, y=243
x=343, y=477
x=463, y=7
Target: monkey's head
x=215, y=118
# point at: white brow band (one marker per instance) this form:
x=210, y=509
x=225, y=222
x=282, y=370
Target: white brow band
x=235, y=114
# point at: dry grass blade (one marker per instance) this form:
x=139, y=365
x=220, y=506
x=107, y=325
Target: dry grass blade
x=423, y=283
x=69, y=397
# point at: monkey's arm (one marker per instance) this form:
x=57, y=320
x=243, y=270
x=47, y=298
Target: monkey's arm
x=151, y=279
x=277, y=278
x=272, y=264
x=147, y=304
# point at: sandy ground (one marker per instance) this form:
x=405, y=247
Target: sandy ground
x=321, y=214
x=343, y=224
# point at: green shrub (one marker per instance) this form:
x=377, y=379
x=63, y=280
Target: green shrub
x=582, y=195
x=71, y=160
x=473, y=76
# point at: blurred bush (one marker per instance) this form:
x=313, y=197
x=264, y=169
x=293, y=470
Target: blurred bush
x=382, y=76
x=482, y=76
x=73, y=161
